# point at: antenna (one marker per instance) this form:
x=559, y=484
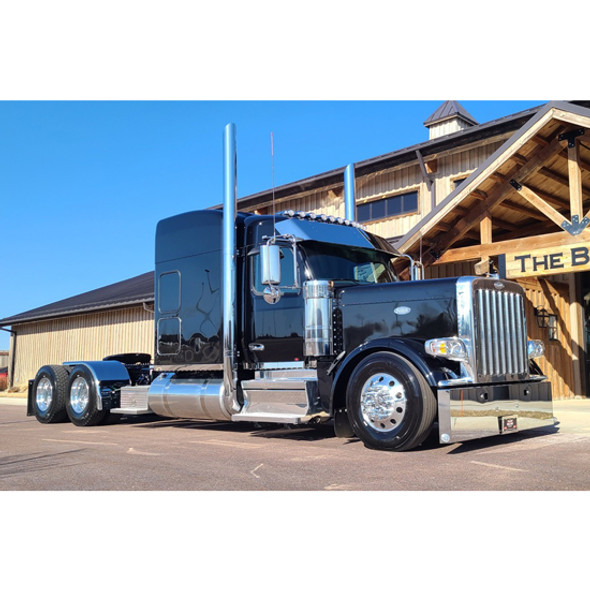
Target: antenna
x=272, y=158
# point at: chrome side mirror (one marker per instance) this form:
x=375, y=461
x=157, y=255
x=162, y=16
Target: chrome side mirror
x=270, y=264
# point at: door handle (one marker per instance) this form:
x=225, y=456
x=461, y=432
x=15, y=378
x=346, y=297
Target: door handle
x=254, y=347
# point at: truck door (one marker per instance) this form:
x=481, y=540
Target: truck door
x=277, y=329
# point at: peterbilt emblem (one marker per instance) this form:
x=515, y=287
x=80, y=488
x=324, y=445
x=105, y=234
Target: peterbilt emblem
x=402, y=310
x=499, y=285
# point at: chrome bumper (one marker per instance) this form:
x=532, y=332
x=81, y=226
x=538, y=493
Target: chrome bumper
x=466, y=413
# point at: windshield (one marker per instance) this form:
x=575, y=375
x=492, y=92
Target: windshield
x=345, y=263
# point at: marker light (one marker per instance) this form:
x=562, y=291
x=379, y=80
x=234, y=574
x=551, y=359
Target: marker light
x=535, y=348
x=453, y=349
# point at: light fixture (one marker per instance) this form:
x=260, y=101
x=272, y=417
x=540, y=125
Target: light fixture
x=542, y=317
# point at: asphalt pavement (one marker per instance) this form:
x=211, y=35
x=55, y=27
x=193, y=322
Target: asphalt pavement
x=150, y=453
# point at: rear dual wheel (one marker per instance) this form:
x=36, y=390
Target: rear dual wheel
x=82, y=404
x=390, y=404
x=49, y=394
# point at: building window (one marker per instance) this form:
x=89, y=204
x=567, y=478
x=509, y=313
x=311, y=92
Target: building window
x=389, y=207
x=457, y=182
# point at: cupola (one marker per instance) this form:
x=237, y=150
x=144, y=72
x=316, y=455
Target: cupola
x=450, y=117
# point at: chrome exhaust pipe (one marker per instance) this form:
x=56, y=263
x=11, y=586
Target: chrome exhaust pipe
x=228, y=247
x=349, y=200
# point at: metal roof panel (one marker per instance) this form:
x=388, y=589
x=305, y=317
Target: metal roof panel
x=130, y=291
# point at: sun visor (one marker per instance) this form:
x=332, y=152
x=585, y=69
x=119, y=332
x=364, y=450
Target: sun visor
x=325, y=232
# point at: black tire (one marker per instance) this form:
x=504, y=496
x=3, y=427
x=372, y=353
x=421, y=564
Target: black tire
x=81, y=405
x=390, y=404
x=49, y=394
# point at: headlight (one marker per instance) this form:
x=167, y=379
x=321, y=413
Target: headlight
x=453, y=349
x=535, y=348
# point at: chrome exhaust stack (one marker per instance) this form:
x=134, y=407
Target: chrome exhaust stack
x=349, y=198
x=228, y=248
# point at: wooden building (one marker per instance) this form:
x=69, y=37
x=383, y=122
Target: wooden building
x=90, y=326
x=448, y=201
x=526, y=212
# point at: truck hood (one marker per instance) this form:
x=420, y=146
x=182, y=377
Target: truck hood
x=412, y=309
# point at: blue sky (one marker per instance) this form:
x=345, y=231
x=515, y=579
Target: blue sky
x=83, y=184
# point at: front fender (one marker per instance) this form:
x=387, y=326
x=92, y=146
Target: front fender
x=411, y=349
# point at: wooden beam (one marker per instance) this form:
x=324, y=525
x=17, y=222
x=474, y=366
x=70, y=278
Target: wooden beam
x=505, y=225
x=584, y=164
x=542, y=205
x=523, y=210
x=563, y=180
x=572, y=118
x=512, y=206
x=462, y=211
x=554, y=176
x=443, y=226
x=552, y=199
x=507, y=247
x=575, y=178
x=531, y=229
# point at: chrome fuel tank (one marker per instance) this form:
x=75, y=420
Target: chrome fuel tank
x=192, y=398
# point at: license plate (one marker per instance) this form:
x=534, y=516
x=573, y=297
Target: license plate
x=509, y=425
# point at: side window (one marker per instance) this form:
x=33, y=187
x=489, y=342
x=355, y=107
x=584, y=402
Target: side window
x=169, y=293
x=288, y=281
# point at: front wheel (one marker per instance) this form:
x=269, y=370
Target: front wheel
x=390, y=404
x=82, y=399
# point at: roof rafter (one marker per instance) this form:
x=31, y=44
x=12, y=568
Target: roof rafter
x=495, y=197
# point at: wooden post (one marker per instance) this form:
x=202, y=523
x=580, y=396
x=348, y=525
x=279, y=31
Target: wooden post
x=575, y=180
x=485, y=232
x=577, y=334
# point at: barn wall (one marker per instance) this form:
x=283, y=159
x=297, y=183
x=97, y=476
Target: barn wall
x=82, y=337
x=557, y=362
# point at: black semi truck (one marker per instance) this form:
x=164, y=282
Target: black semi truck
x=300, y=318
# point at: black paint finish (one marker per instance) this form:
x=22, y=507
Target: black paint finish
x=188, y=298
x=425, y=309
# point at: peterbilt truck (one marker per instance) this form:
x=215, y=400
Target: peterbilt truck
x=301, y=318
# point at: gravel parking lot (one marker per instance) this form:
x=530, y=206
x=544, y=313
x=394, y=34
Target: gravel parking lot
x=157, y=454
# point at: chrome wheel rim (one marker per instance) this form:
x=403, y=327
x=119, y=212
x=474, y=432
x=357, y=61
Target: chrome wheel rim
x=383, y=402
x=79, y=395
x=44, y=394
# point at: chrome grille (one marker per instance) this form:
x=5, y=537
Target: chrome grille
x=501, y=343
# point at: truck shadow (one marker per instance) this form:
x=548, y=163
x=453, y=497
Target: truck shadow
x=502, y=440
x=324, y=431
x=261, y=430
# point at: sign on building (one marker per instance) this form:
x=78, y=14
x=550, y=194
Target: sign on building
x=545, y=261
